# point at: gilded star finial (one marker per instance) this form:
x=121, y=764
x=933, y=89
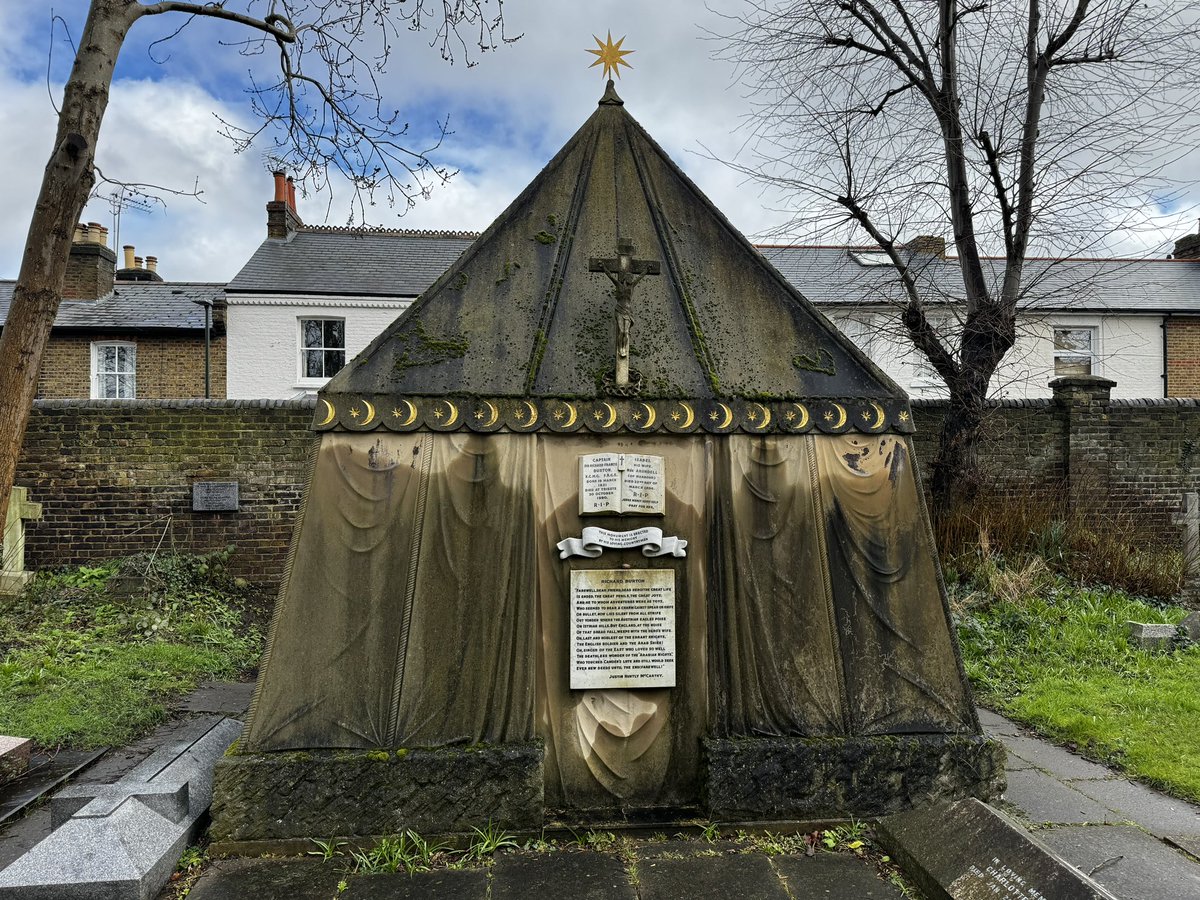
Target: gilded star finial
x=610, y=55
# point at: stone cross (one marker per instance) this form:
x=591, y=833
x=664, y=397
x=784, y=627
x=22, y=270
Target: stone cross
x=624, y=272
x=1190, y=520
x=12, y=555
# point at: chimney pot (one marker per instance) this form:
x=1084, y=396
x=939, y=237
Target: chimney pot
x=291, y=194
x=137, y=262
x=92, y=235
x=103, y=236
x=280, y=186
x=80, y=234
x=128, y=248
x=152, y=263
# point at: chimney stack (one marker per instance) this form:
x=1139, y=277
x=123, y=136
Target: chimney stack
x=282, y=218
x=928, y=243
x=1187, y=247
x=134, y=270
x=91, y=266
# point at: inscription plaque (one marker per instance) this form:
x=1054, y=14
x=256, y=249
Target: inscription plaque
x=622, y=628
x=215, y=496
x=622, y=483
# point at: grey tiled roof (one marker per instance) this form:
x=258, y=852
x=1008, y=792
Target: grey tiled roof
x=830, y=276
x=133, y=305
x=403, y=264
x=347, y=261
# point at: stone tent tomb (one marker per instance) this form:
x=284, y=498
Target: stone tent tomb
x=611, y=523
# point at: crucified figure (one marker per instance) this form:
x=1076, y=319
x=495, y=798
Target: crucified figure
x=625, y=273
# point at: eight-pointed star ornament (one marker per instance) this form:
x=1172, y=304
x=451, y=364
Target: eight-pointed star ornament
x=610, y=55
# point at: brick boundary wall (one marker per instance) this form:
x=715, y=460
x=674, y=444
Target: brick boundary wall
x=115, y=477
x=111, y=474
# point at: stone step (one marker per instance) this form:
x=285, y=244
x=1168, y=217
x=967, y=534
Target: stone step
x=14, y=756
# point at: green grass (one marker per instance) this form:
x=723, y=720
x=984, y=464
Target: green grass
x=82, y=668
x=1058, y=660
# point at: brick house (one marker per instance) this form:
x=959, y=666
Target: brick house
x=127, y=334
x=310, y=298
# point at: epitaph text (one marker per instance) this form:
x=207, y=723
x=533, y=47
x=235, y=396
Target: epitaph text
x=622, y=628
x=622, y=483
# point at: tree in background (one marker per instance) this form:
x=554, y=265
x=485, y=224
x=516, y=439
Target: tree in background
x=1026, y=127
x=321, y=112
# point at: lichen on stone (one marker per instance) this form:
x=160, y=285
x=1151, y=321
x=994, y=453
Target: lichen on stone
x=545, y=237
x=416, y=347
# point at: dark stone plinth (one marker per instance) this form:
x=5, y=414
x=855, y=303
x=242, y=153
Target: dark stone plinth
x=969, y=851
x=319, y=794
x=797, y=778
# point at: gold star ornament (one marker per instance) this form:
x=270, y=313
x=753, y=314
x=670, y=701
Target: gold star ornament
x=610, y=56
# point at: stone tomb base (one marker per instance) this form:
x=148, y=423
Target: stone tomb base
x=284, y=797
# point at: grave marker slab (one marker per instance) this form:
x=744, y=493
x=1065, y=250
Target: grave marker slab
x=215, y=496
x=969, y=851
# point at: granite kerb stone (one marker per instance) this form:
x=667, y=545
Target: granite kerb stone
x=798, y=778
x=282, y=796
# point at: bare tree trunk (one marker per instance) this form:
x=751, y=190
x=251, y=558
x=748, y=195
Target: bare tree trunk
x=65, y=187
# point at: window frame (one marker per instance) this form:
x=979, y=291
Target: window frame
x=1092, y=355
x=96, y=355
x=303, y=378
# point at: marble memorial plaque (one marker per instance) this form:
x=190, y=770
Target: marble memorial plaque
x=622, y=628
x=622, y=483
x=215, y=496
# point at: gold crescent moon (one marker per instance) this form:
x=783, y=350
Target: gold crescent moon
x=370, y=413
x=803, y=416
x=572, y=417
x=649, y=415
x=612, y=415
x=766, y=417
x=728, y=416
x=533, y=414
x=841, y=416
x=412, y=414
x=880, y=416
x=495, y=413
x=454, y=413
x=328, y=418
x=691, y=415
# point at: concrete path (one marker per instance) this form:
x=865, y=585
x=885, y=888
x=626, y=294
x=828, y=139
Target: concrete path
x=1137, y=842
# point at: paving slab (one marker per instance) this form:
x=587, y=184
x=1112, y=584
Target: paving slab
x=552, y=876
x=46, y=772
x=710, y=878
x=1056, y=760
x=1127, y=861
x=266, y=879
x=994, y=723
x=225, y=698
x=833, y=875
x=1157, y=813
x=468, y=884
x=1188, y=843
x=1043, y=798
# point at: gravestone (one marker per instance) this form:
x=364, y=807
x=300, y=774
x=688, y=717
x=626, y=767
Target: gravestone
x=1189, y=518
x=13, y=576
x=611, y=523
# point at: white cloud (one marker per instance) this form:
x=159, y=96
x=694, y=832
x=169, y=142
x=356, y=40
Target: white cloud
x=511, y=112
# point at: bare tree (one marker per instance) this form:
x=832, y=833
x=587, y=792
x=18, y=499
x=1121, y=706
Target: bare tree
x=1022, y=127
x=322, y=111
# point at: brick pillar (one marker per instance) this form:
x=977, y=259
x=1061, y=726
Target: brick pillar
x=1083, y=402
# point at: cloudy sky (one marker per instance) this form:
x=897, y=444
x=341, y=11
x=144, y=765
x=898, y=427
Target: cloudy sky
x=509, y=113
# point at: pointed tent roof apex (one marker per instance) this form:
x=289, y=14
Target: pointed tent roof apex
x=610, y=97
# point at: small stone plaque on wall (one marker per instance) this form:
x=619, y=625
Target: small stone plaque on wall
x=215, y=496
x=622, y=628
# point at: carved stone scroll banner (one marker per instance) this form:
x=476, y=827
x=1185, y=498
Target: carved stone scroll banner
x=595, y=539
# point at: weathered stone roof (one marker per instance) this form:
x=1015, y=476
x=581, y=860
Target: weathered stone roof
x=720, y=339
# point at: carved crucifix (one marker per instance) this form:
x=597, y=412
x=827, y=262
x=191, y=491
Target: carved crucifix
x=624, y=272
